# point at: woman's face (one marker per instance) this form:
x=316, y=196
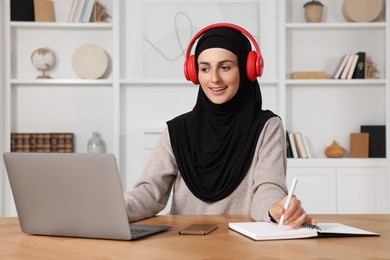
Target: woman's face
x=218, y=74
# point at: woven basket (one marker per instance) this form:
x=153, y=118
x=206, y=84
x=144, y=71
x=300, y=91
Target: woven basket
x=313, y=13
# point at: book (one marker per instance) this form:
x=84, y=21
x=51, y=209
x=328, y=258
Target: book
x=22, y=10
x=377, y=140
x=44, y=10
x=42, y=142
x=88, y=11
x=306, y=144
x=293, y=146
x=289, y=152
x=353, y=66
x=360, y=69
x=300, y=145
x=345, y=71
x=340, y=67
x=84, y=7
x=272, y=231
x=358, y=145
x=309, y=75
x=79, y=10
x=72, y=11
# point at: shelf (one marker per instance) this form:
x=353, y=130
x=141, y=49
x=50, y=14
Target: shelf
x=336, y=82
x=348, y=26
x=46, y=25
x=47, y=82
x=338, y=162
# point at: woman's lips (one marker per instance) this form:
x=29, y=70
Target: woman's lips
x=218, y=90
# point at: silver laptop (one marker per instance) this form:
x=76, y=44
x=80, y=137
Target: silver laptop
x=73, y=195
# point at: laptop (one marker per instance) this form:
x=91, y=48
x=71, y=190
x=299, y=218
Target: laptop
x=72, y=195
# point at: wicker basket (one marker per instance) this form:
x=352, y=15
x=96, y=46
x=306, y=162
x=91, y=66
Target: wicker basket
x=313, y=13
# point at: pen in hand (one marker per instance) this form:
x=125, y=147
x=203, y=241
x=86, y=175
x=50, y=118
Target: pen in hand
x=287, y=203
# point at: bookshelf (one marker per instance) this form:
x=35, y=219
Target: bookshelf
x=328, y=109
x=66, y=103
x=129, y=107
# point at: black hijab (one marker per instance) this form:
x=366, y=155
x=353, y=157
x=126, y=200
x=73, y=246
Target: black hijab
x=214, y=144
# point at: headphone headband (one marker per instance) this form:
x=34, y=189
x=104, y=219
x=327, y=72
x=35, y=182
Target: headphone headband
x=255, y=61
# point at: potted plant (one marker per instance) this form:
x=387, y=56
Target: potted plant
x=313, y=11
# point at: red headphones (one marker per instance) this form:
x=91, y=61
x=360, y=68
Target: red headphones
x=254, y=62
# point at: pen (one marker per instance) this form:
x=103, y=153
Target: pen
x=287, y=203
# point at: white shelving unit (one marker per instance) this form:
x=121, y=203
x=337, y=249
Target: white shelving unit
x=66, y=102
x=2, y=178
x=327, y=110
x=130, y=106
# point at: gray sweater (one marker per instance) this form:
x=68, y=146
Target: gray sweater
x=263, y=185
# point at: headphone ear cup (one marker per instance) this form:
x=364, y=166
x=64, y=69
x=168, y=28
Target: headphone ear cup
x=259, y=65
x=254, y=66
x=190, y=70
x=251, y=71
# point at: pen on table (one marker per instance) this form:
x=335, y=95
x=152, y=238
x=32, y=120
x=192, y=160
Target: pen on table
x=287, y=203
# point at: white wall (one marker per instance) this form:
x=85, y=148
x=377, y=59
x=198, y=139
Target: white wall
x=146, y=107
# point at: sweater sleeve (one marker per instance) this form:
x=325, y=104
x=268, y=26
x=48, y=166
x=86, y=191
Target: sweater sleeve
x=270, y=172
x=151, y=191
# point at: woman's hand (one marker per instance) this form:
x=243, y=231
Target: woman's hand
x=294, y=216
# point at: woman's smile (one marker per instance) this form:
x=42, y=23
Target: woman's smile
x=218, y=90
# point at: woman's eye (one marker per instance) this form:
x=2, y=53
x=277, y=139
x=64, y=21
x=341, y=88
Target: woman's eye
x=225, y=67
x=203, y=69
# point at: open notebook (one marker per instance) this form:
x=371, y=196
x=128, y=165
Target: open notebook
x=272, y=231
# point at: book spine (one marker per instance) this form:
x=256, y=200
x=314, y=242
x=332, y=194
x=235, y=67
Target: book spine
x=42, y=142
x=39, y=143
x=359, y=72
x=68, y=138
x=293, y=146
x=26, y=143
x=300, y=146
x=88, y=11
x=353, y=66
x=347, y=67
x=33, y=142
x=13, y=142
x=340, y=67
x=46, y=143
x=18, y=142
x=305, y=143
x=79, y=9
x=53, y=143
x=289, y=153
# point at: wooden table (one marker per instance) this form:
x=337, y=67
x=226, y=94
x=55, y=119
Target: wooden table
x=220, y=244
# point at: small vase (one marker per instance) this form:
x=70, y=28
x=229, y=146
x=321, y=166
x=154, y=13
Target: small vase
x=334, y=150
x=313, y=11
x=96, y=144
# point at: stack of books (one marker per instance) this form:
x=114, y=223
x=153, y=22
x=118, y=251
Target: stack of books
x=42, y=142
x=81, y=11
x=351, y=66
x=297, y=146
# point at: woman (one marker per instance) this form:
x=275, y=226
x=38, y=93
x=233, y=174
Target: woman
x=226, y=156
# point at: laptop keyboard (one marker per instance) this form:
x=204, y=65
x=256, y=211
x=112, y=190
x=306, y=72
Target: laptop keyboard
x=135, y=232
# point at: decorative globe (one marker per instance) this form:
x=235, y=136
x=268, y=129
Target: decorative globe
x=44, y=59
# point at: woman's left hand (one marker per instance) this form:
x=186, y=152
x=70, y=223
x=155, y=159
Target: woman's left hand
x=294, y=216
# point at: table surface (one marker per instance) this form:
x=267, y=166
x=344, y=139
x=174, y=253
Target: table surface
x=220, y=244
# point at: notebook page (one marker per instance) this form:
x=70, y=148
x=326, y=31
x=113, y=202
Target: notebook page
x=270, y=231
x=340, y=229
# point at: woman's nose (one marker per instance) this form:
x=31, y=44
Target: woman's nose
x=215, y=76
